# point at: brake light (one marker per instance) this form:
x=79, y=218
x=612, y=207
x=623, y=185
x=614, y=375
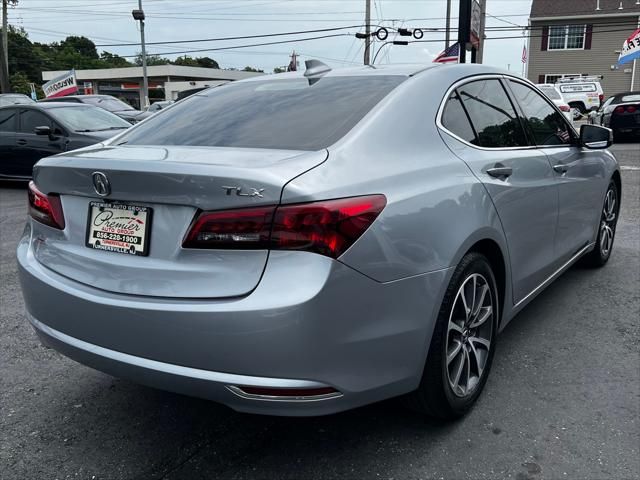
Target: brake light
x=565, y=108
x=619, y=110
x=328, y=227
x=631, y=109
x=601, y=97
x=242, y=229
x=45, y=209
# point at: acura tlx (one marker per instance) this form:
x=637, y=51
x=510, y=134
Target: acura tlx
x=309, y=242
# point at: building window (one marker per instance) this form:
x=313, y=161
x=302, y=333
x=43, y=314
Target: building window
x=567, y=37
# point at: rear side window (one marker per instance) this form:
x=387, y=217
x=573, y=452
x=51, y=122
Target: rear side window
x=545, y=122
x=296, y=114
x=8, y=120
x=455, y=119
x=30, y=119
x=492, y=115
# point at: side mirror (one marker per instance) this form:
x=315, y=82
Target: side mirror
x=43, y=131
x=595, y=136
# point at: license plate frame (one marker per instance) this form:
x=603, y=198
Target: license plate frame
x=122, y=228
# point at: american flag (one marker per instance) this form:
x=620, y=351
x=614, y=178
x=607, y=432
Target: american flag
x=449, y=55
x=524, y=54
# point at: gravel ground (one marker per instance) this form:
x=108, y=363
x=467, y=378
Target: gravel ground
x=562, y=402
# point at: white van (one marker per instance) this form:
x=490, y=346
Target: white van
x=582, y=93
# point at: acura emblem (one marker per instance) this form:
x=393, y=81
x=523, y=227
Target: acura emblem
x=101, y=184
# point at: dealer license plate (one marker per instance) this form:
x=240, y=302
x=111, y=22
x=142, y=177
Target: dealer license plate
x=118, y=227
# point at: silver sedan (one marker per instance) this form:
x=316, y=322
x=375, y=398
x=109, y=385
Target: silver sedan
x=306, y=243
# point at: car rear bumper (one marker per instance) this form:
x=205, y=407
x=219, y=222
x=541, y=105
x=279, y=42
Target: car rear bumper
x=312, y=322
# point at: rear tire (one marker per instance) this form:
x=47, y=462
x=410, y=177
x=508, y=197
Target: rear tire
x=463, y=343
x=599, y=256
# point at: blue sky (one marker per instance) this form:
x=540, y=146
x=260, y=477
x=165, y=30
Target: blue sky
x=110, y=21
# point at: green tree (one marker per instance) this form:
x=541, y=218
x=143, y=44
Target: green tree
x=207, y=62
x=81, y=46
x=251, y=69
x=186, y=61
x=279, y=70
x=111, y=60
x=20, y=83
x=23, y=56
x=152, y=60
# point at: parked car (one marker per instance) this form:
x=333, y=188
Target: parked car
x=582, y=93
x=157, y=106
x=313, y=241
x=106, y=102
x=14, y=99
x=187, y=93
x=553, y=93
x=30, y=132
x=621, y=113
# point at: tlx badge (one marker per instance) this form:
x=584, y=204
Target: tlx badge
x=254, y=192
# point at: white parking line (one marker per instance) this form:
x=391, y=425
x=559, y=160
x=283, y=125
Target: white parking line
x=625, y=167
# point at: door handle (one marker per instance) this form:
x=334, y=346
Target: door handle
x=500, y=171
x=21, y=141
x=560, y=168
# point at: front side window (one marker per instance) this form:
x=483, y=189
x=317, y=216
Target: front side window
x=455, y=119
x=546, y=124
x=296, y=114
x=30, y=119
x=8, y=120
x=495, y=121
x=566, y=37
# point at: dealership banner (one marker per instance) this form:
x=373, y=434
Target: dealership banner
x=61, y=85
x=630, y=48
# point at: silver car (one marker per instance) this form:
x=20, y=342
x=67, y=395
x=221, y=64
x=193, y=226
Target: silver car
x=310, y=242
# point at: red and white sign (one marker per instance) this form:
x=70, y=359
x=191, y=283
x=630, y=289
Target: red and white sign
x=62, y=85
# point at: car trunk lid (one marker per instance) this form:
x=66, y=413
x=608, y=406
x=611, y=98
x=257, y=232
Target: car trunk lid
x=174, y=183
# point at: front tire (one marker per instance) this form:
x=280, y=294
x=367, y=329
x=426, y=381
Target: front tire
x=463, y=342
x=601, y=253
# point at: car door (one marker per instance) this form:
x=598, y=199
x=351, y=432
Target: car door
x=579, y=172
x=32, y=147
x=517, y=176
x=8, y=154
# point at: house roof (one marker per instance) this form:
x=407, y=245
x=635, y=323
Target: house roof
x=576, y=8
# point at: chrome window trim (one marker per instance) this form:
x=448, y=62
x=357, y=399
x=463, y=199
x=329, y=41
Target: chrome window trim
x=443, y=102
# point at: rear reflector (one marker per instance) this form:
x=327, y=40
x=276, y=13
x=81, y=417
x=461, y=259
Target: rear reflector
x=328, y=227
x=45, y=209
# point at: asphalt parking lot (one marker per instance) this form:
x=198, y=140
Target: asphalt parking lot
x=562, y=402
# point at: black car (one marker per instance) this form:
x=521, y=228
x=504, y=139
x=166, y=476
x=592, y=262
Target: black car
x=107, y=102
x=31, y=132
x=621, y=113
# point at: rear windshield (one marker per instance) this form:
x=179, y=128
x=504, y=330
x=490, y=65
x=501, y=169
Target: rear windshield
x=108, y=103
x=630, y=98
x=296, y=114
x=551, y=92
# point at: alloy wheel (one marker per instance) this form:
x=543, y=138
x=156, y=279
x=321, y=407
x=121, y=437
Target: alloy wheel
x=608, y=222
x=469, y=335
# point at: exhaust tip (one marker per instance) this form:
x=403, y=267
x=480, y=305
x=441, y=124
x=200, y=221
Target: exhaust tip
x=284, y=394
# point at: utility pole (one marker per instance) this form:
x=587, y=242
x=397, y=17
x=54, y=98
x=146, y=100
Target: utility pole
x=447, y=31
x=367, y=40
x=483, y=18
x=139, y=15
x=5, y=87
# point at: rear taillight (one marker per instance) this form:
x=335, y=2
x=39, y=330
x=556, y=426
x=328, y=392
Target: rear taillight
x=619, y=110
x=329, y=227
x=631, y=109
x=565, y=108
x=243, y=228
x=601, y=97
x=45, y=209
